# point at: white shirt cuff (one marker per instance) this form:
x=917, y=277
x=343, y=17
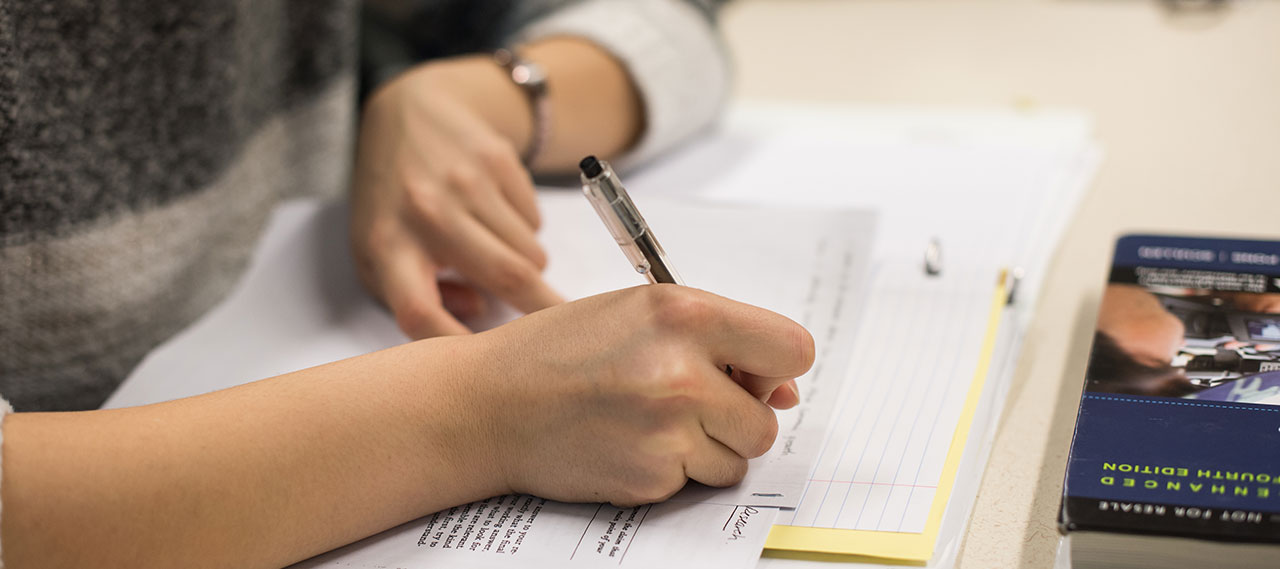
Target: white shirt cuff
x=672, y=53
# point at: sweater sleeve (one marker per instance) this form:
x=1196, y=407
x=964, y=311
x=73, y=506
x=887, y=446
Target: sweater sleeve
x=672, y=52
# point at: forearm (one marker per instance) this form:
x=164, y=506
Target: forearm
x=563, y=403
x=261, y=475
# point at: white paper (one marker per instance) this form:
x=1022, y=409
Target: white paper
x=524, y=531
x=994, y=187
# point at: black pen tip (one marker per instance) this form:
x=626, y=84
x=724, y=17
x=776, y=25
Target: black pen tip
x=590, y=167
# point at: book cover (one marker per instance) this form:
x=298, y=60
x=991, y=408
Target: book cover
x=1179, y=425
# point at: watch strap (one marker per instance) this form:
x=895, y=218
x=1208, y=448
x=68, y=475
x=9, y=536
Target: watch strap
x=532, y=81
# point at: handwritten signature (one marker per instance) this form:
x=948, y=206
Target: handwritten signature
x=740, y=524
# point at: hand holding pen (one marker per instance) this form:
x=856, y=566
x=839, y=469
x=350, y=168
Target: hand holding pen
x=621, y=396
x=623, y=219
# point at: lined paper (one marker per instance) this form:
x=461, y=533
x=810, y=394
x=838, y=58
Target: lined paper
x=919, y=547
x=918, y=347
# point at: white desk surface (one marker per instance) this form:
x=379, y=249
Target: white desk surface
x=1187, y=107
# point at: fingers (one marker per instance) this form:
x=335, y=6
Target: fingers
x=758, y=342
x=474, y=228
x=785, y=397
x=408, y=283
x=715, y=464
x=764, y=345
x=777, y=392
x=500, y=216
x=516, y=186
x=491, y=264
x=737, y=419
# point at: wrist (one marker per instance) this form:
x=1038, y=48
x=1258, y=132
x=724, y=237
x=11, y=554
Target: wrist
x=531, y=79
x=484, y=87
x=452, y=410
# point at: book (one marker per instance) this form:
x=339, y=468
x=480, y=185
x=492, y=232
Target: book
x=1175, y=460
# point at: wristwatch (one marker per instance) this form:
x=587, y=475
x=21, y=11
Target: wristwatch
x=532, y=80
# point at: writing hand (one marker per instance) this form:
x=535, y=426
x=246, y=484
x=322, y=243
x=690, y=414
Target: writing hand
x=623, y=397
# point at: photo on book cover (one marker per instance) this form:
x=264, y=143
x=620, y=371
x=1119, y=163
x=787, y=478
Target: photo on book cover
x=1188, y=333
x=1179, y=421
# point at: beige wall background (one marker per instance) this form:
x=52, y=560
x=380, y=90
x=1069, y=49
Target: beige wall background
x=1187, y=107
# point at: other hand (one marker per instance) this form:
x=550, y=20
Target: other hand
x=438, y=186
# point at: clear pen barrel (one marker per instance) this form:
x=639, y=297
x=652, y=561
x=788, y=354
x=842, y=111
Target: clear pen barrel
x=627, y=226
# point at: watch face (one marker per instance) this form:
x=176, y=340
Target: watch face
x=528, y=74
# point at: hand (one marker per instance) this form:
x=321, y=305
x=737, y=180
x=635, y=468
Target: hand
x=622, y=397
x=438, y=185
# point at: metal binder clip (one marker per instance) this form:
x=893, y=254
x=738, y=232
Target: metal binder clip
x=1015, y=279
x=933, y=258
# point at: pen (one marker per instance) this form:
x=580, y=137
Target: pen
x=606, y=194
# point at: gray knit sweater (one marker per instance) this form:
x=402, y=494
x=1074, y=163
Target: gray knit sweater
x=143, y=144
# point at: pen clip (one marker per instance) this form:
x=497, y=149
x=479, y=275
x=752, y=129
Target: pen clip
x=622, y=220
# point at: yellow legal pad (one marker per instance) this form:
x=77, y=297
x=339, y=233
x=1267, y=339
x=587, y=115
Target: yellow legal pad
x=908, y=548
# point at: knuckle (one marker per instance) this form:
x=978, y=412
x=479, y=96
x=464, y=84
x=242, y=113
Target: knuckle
x=631, y=497
x=660, y=488
x=425, y=203
x=735, y=469
x=677, y=445
x=497, y=153
x=677, y=387
x=664, y=493
x=678, y=308
x=763, y=437
x=463, y=179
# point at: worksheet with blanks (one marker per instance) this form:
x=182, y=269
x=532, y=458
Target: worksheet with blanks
x=301, y=305
x=529, y=532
